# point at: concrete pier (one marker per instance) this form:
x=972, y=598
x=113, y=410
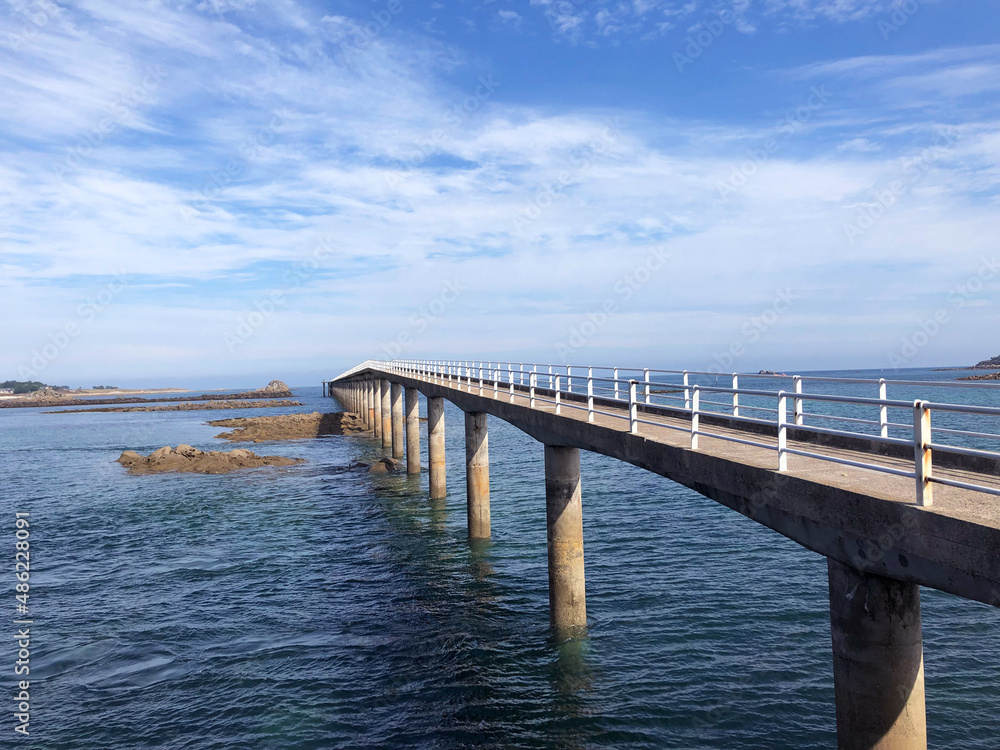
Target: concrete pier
x=878, y=662
x=412, y=398
x=386, y=414
x=377, y=403
x=397, y=420
x=435, y=446
x=860, y=511
x=370, y=396
x=477, y=474
x=564, y=521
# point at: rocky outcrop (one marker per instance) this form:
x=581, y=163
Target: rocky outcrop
x=185, y=458
x=989, y=376
x=289, y=426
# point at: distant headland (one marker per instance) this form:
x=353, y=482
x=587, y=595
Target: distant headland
x=987, y=364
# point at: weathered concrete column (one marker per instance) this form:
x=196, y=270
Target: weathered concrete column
x=386, y=415
x=377, y=401
x=397, y=420
x=477, y=474
x=412, y=398
x=564, y=519
x=878, y=661
x=435, y=446
x=362, y=409
x=372, y=424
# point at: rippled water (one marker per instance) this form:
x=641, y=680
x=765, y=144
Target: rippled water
x=309, y=607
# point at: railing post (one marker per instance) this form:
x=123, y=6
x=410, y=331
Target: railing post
x=531, y=389
x=617, y=397
x=590, y=394
x=922, y=452
x=782, y=431
x=480, y=378
x=520, y=380
x=798, y=416
x=633, y=408
x=569, y=379
x=496, y=382
x=695, y=404
x=736, y=396
x=558, y=395
x=551, y=383
x=510, y=381
x=687, y=392
x=645, y=377
x=883, y=410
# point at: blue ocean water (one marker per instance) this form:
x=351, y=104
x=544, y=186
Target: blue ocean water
x=318, y=607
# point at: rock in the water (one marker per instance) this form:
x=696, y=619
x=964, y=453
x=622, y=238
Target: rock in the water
x=289, y=426
x=186, y=458
x=385, y=465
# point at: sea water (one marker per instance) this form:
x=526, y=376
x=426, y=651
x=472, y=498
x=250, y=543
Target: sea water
x=318, y=606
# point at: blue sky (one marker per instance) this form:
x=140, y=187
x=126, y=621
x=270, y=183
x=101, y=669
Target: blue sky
x=221, y=192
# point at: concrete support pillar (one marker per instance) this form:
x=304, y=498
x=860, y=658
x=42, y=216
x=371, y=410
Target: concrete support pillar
x=386, y=415
x=435, y=446
x=377, y=400
x=366, y=404
x=878, y=661
x=397, y=420
x=564, y=519
x=412, y=398
x=477, y=474
x=373, y=425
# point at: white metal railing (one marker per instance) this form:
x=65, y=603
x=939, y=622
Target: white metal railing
x=652, y=393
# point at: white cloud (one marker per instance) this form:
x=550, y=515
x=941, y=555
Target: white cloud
x=859, y=144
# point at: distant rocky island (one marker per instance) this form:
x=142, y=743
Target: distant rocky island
x=986, y=364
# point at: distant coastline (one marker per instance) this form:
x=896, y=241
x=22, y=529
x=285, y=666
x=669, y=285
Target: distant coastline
x=82, y=392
